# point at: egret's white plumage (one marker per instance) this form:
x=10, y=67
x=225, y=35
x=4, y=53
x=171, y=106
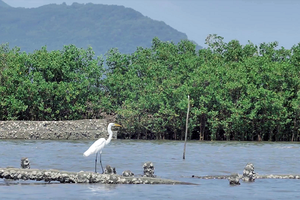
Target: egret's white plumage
x=97, y=146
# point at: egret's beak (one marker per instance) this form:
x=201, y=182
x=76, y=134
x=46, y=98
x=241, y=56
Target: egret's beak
x=118, y=125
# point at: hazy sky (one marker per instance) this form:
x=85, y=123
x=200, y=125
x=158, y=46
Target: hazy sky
x=254, y=20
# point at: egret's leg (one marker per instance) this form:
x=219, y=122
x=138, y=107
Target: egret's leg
x=101, y=164
x=96, y=163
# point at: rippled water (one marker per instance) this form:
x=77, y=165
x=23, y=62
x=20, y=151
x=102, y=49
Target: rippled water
x=202, y=158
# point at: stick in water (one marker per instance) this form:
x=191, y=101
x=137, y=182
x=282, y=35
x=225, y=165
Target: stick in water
x=186, y=126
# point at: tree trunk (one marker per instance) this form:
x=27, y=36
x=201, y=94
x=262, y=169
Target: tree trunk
x=295, y=128
x=202, y=127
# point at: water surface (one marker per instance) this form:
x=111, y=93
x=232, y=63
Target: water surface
x=202, y=158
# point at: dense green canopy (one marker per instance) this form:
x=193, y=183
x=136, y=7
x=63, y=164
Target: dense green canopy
x=238, y=92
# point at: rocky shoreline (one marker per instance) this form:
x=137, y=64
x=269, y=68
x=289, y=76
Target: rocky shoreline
x=89, y=129
x=109, y=175
x=80, y=177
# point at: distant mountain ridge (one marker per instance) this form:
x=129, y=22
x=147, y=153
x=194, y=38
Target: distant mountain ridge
x=3, y=4
x=100, y=26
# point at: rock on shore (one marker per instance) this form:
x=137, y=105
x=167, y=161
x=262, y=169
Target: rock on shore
x=90, y=129
x=80, y=177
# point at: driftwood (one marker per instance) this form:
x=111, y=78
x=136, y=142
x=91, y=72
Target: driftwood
x=80, y=177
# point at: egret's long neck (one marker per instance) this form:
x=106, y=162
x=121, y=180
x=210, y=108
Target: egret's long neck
x=110, y=134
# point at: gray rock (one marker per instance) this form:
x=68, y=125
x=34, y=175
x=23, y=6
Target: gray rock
x=25, y=164
x=110, y=170
x=234, y=179
x=248, y=173
x=90, y=129
x=148, y=169
x=79, y=177
x=127, y=173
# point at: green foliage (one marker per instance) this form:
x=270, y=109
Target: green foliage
x=54, y=85
x=237, y=92
x=145, y=88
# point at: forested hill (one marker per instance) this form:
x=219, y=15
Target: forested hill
x=100, y=26
x=3, y=4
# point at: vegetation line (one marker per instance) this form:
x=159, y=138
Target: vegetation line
x=236, y=92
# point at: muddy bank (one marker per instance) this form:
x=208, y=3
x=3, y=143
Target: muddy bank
x=55, y=130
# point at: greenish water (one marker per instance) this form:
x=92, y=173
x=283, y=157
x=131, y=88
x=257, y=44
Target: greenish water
x=202, y=158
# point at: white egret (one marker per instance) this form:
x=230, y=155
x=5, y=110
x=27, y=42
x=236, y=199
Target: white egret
x=99, y=145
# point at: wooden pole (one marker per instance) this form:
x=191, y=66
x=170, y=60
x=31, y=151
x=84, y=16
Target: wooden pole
x=186, y=126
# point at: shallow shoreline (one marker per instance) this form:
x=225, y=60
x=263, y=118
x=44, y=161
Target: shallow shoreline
x=80, y=177
x=87, y=129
